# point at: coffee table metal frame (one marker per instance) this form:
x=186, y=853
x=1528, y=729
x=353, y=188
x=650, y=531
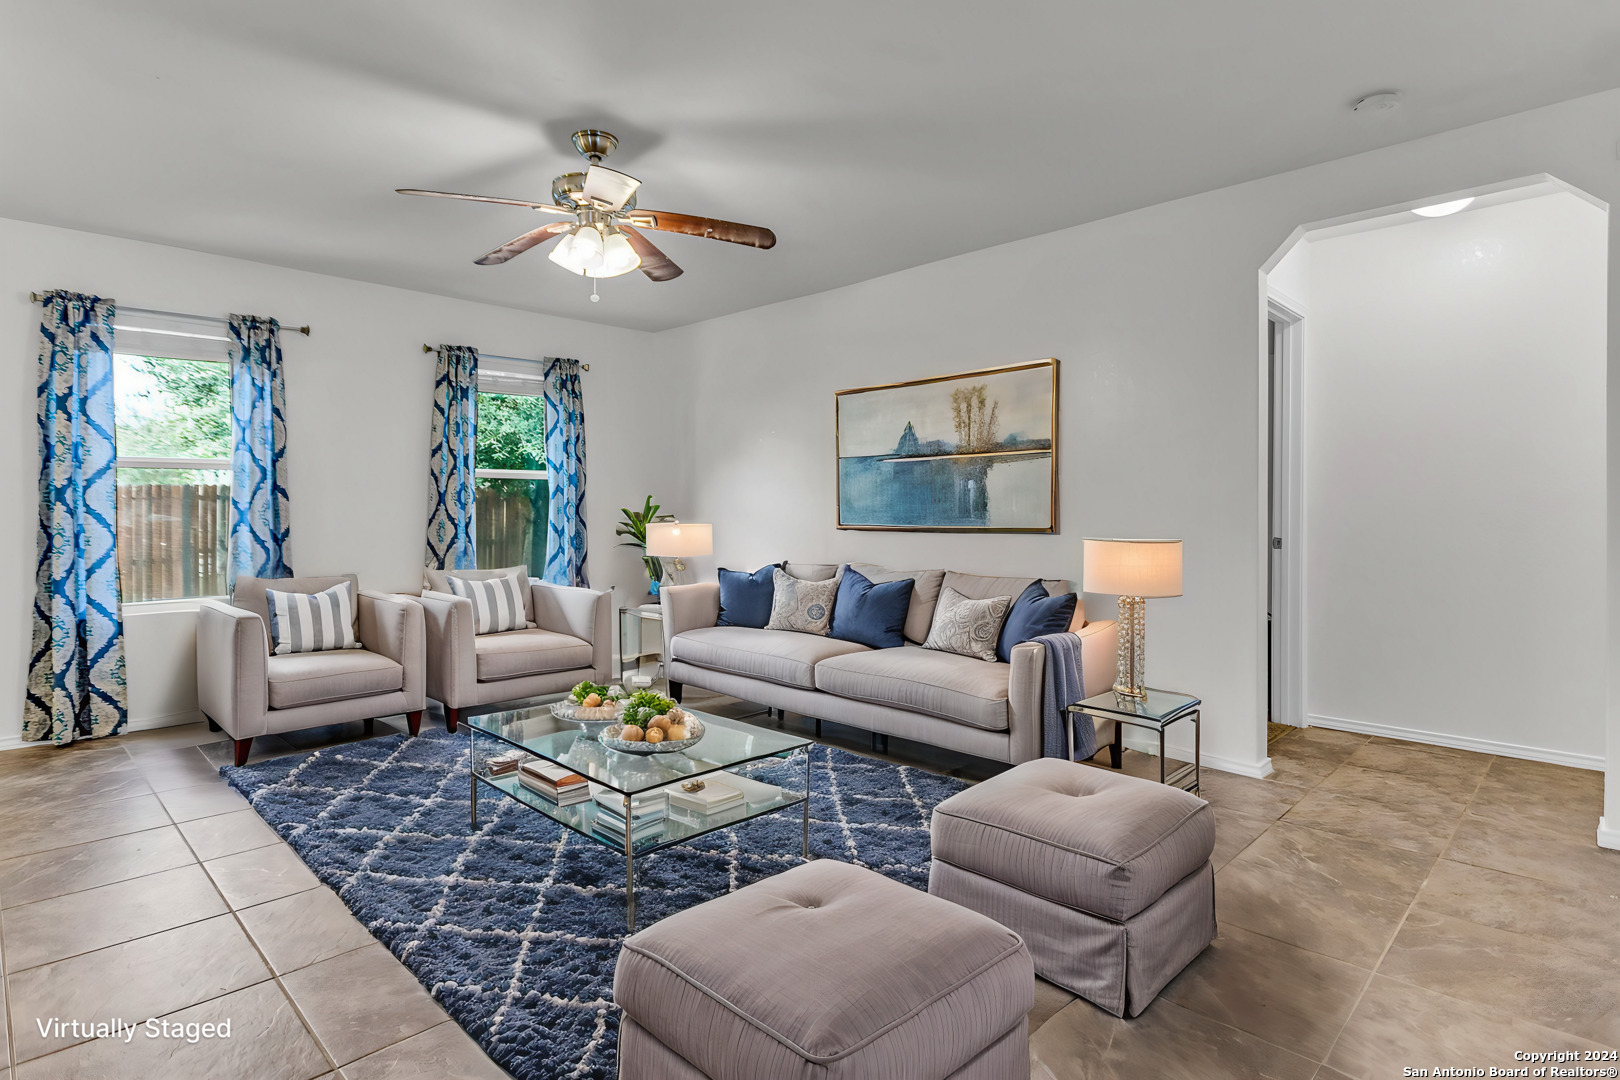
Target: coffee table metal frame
x=728, y=743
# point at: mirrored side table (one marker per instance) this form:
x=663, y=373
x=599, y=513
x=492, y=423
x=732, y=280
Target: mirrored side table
x=1157, y=712
x=641, y=636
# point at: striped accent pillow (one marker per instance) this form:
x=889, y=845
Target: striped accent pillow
x=497, y=602
x=312, y=622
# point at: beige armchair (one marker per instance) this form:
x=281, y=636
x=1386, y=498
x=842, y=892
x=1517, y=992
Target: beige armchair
x=570, y=639
x=246, y=692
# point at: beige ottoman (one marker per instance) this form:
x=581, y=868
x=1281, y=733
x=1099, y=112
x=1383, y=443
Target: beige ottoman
x=824, y=971
x=1106, y=877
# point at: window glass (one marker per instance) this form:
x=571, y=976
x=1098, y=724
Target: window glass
x=173, y=426
x=510, y=481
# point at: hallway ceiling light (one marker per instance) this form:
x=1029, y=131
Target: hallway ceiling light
x=1444, y=208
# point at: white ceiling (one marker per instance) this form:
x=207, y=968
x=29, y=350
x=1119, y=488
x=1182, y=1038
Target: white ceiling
x=871, y=136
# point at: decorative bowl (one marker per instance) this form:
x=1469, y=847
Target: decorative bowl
x=694, y=728
x=568, y=711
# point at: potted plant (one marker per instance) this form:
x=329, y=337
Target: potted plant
x=634, y=526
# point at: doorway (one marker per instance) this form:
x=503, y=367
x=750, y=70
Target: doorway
x=1284, y=602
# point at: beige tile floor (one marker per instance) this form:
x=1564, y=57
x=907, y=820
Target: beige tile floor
x=1382, y=905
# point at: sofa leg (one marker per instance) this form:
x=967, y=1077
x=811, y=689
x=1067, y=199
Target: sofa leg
x=880, y=743
x=818, y=727
x=414, y=721
x=675, y=689
x=1116, y=749
x=211, y=725
x=452, y=717
x=371, y=726
x=242, y=748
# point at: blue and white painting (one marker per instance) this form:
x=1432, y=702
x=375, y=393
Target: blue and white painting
x=960, y=452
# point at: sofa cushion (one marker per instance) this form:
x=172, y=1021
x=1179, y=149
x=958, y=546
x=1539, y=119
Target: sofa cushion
x=745, y=599
x=827, y=970
x=439, y=581
x=805, y=571
x=969, y=627
x=1079, y=836
x=529, y=652
x=314, y=678
x=871, y=614
x=800, y=605
x=959, y=688
x=1035, y=614
x=924, y=595
x=774, y=655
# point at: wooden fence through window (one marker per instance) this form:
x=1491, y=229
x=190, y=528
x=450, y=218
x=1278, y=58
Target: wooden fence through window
x=508, y=534
x=171, y=540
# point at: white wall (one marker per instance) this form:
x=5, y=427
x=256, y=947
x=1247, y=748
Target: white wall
x=359, y=391
x=1454, y=371
x=1157, y=316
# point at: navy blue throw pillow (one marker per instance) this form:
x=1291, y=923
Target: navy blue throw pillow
x=1033, y=615
x=869, y=614
x=745, y=599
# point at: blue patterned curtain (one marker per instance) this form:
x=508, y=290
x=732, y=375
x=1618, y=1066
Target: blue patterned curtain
x=76, y=665
x=565, y=473
x=259, y=511
x=452, y=532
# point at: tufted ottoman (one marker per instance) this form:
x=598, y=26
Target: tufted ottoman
x=1106, y=877
x=824, y=971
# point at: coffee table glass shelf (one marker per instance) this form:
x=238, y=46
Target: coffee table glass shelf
x=726, y=744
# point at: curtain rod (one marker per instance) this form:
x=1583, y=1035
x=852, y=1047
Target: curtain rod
x=37, y=297
x=497, y=356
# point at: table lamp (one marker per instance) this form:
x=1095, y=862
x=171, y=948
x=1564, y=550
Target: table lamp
x=1133, y=570
x=677, y=540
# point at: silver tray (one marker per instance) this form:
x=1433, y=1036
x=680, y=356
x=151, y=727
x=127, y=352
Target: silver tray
x=593, y=728
x=693, y=724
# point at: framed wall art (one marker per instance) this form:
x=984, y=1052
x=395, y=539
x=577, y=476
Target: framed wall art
x=975, y=452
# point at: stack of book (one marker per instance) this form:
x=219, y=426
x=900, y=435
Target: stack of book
x=501, y=764
x=647, y=812
x=713, y=795
x=554, y=782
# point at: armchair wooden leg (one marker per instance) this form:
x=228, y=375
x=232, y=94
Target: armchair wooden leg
x=242, y=748
x=675, y=689
x=211, y=725
x=414, y=720
x=452, y=717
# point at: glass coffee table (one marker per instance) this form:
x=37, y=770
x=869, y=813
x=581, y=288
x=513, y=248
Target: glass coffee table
x=725, y=744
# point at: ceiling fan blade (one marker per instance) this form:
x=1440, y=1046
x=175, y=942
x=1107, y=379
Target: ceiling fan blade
x=654, y=263
x=549, y=208
x=523, y=243
x=713, y=228
x=608, y=186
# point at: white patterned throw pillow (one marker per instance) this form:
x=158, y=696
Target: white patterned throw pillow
x=497, y=602
x=805, y=606
x=311, y=622
x=968, y=627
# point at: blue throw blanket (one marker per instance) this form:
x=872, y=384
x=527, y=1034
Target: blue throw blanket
x=1065, y=685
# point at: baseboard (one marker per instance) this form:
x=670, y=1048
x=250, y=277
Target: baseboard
x=1461, y=742
x=145, y=723
x=1607, y=837
x=1144, y=744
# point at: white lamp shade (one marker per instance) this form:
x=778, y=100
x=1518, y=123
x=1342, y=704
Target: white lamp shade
x=586, y=250
x=618, y=257
x=1133, y=567
x=679, y=539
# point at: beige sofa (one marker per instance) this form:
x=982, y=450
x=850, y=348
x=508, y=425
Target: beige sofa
x=247, y=692
x=570, y=639
x=987, y=709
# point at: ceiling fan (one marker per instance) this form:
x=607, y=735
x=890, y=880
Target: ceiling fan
x=600, y=237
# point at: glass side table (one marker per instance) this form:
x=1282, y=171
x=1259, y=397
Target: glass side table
x=634, y=625
x=1157, y=712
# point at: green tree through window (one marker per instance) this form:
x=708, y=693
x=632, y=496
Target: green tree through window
x=512, y=495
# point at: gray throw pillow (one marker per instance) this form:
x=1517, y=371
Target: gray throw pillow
x=805, y=606
x=968, y=627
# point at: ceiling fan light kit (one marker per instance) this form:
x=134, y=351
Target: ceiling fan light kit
x=602, y=239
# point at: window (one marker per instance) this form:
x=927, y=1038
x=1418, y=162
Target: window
x=173, y=427
x=510, y=476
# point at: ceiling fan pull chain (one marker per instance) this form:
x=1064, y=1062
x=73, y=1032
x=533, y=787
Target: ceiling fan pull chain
x=594, y=297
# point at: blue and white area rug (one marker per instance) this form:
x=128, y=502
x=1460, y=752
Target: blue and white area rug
x=515, y=928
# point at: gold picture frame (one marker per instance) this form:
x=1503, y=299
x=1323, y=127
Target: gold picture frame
x=917, y=456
